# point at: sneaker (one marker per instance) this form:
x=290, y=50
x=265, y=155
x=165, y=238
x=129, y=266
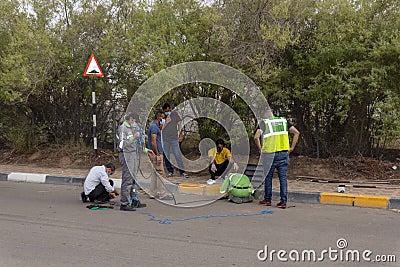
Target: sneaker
x=126, y=208
x=185, y=175
x=210, y=181
x=84, y=197
x=281, y=205
x=265, y=202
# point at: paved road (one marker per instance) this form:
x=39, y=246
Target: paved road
x=47, y=225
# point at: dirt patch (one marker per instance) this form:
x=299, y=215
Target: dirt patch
x=67, y=156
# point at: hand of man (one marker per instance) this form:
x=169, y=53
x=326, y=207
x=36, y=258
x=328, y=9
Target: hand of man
x=235, y=167
x=213, y=168
x=159, y=159
x=151, y=153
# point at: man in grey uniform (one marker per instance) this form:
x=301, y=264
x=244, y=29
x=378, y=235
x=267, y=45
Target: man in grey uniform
x=129, y=133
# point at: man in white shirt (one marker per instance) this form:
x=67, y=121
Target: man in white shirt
x=98, y=187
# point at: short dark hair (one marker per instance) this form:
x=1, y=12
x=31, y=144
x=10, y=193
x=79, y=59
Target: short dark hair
x=158, y=114
x=110, y=166
x=132, y=115
x=165, y=106
x=220, y=142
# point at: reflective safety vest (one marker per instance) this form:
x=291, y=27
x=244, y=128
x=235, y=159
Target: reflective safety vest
x=275, y=136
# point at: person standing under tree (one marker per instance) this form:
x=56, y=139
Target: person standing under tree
x=129, y=135
x=157, y=188
x=171, y=136
x=275, y=148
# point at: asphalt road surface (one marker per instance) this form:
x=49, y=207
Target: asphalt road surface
x=47, y=225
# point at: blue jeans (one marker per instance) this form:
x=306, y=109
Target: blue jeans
x=271, y=161
x=174, y=144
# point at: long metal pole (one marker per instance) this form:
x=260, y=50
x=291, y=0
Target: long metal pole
x=114, y=126
x=94, y=118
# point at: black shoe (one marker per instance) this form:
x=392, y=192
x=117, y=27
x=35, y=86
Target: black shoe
x=141, y=205
x=281, y=205
x=265, y=202
x=126, y=208
x=138, y=204
x=84, y=197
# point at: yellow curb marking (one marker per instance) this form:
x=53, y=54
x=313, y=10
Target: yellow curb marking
x=355, y=200
x=337, y=198
x=199, y=189
x=191, y=188
x=371, y=201
x=212, y=190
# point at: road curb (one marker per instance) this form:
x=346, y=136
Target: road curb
x=394, y=203
x=201, y=189
x=355, y=200
x=3, y=176
x=383, y=202
x=27, y=177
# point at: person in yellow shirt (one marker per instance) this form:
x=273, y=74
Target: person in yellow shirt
x=220, y=161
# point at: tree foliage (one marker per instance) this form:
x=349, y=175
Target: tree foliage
x=331, y=66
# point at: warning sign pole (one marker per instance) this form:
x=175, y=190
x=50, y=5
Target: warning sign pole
x=93, y=69
x=94, y=107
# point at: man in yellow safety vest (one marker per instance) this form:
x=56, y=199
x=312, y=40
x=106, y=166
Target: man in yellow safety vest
x=274, y=150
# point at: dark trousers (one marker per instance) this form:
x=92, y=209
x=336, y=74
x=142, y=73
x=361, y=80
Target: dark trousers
x=100, y=193
x=221, y=168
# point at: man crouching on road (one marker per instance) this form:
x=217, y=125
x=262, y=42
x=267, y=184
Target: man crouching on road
x=98, y=187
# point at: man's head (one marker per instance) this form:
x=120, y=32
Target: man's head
x=220, y=145
x=158, y=116
x=132, y=117
x=110, y=168
x=166, y=108
x=268, y=113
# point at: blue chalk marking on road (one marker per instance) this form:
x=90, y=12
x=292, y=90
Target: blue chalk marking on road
x=168, y=221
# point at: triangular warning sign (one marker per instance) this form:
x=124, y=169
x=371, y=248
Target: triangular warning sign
x=93, y=68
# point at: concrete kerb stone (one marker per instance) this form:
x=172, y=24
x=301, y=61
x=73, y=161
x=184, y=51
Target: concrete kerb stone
x=355, y=200
x=27, y=177
x=3, y=176
x=394, y=203
x=304, y=197
x=293, y=196
x=54, y=179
